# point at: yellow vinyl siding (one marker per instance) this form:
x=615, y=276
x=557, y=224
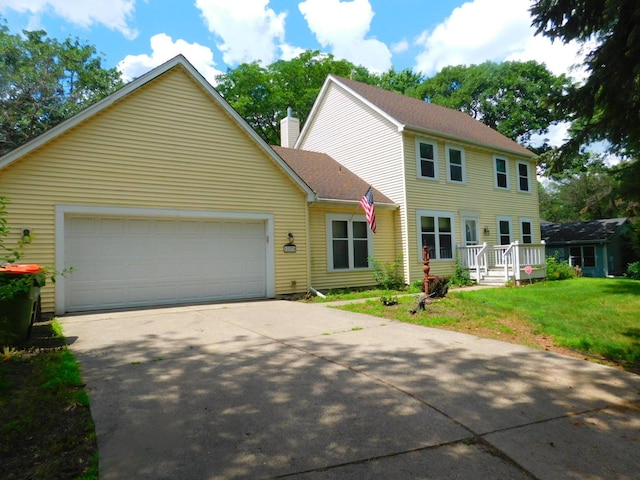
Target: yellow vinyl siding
x=477, y=195
x=385, y=247
x=166, y=145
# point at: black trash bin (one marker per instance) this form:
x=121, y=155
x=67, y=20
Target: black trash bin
x=19, y=306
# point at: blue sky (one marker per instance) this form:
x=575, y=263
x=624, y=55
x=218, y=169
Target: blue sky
x=424, y=35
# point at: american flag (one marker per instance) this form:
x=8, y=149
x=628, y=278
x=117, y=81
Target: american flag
x=367, y=204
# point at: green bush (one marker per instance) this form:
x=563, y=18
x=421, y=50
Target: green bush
x=439, y=287
x=461, y=276
x=388, y=275
x=558, y=270
x=633, y=271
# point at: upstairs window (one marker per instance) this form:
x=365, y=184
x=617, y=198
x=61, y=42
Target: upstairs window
x=455, y=164
x=427, y=159
x=502, y=173
x=523, y=177
x=348, y=242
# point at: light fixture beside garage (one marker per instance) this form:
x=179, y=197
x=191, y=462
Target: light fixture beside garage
x=26, y=235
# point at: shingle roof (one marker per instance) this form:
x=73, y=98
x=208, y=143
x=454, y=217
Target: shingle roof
x=581, y=232
x=417, y=114
x=328, y=178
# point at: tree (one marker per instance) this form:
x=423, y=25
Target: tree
x=44, y=81
x=261, y=95
x=405, y=82
x=607, y=105
x=518, y=99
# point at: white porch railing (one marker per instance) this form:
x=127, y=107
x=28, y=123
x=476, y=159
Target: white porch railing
x=512, y=258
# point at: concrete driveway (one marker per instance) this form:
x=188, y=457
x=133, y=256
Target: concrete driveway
x=284, y=389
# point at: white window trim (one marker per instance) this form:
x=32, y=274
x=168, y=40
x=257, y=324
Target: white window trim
x=436, y=213
x=530, y=220
x=329, y=218
x=495, y=172
x=504, y=218
x=419, y=159
x=528, y=165
x=447, y=148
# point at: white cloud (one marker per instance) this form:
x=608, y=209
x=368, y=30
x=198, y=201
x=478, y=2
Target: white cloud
x=400, y=47
x=113, y=14
x=163, y=48
x=496, y=30
x=342, y=26
x=249, y=30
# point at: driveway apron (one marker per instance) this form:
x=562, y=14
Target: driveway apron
x=282, y=389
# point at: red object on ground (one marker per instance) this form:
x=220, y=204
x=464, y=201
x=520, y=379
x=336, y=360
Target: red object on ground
x=22, y=268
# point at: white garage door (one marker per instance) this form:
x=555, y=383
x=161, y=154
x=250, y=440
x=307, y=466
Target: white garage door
x=128, y=262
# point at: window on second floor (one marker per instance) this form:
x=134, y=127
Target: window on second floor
x=523, y=177
x=427, y=159
x=455, y=164
x=436, y=230
x=349, y=244
x=501, y=167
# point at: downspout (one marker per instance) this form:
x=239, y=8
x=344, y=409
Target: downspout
x=316, y=292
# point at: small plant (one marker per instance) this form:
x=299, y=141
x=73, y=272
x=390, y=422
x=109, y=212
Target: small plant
x=439, y=287
x=633, y=271
x=460, y=277
x=558, y=270
x=388, y=275
x=389, y=301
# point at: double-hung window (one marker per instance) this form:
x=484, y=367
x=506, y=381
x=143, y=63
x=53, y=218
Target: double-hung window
x=436, y=230
x=349, y=242
x=455, y=164
x=583, y=256
x=524, y=178
x=501, y=166
x=526, y=230
x=427, y=153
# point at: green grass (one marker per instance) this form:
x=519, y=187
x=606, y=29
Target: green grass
x=599, y=317
x=357, y=294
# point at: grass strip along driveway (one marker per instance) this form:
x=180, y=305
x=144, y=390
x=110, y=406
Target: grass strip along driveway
x=594, y=318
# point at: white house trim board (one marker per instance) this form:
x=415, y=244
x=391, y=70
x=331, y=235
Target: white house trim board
x=64, y=211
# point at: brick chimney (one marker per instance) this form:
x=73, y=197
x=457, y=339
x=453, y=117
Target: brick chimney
x=289, y=130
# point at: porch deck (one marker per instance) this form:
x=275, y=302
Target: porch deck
x=502, y=263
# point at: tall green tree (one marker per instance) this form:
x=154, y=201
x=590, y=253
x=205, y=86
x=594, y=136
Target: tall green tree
x=44, y=81
x=261, y=95
x=405, y=82
x=607, y=105
x=518, y=99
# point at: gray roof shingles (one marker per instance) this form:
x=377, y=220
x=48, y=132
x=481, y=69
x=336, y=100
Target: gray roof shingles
x=595, y=231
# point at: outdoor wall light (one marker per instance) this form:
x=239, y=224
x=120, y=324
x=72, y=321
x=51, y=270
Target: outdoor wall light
x=291, y=239
x=487, y=231
x=26, y=236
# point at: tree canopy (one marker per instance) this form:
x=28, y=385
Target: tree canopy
x=44, y=81
x=607, y=105
x=518, y=99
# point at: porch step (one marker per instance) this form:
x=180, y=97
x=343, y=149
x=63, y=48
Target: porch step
x=493, y=277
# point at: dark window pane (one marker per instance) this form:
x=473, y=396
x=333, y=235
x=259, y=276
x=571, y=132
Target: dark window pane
x=526, y=228
x=501, y=165
x=502, y=180
x=444, y=224
x=456, y=173
x=359, y=229
x=524, y=184
x=455, y=156
x=340, y=254
x=426, y=151
x=589, y=256
x=427, y=169
x=430, y=241
x=428, y=224
x=504, y=227
x=446, y=246
x=339, y=229
x=360, y=254
x=523, y=170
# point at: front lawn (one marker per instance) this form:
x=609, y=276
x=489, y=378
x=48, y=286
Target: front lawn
x=597, y=318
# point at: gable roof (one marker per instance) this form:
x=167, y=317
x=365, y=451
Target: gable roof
x=596, y=231
x=423, y=117
x=329, y=179
x=177, y=62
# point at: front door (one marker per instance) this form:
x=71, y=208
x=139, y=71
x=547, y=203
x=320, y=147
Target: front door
x=471, y=231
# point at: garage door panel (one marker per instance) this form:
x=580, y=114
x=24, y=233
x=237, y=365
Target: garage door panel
x=128, y=262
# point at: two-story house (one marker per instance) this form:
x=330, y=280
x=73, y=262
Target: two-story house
x=461, y=186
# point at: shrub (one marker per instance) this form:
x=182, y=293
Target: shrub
x=388, y=275
x=439, y=287
x=633, y=271
x=461, y=277
x=558, y=270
